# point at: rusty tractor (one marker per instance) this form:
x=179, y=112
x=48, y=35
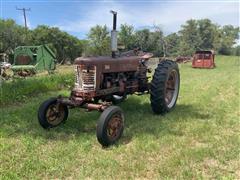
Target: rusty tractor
x=104, y=81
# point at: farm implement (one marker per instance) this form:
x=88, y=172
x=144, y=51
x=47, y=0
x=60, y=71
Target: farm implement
x=204, y=59
x=28, y=60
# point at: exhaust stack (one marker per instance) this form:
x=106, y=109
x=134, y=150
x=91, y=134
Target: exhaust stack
x=114, y=34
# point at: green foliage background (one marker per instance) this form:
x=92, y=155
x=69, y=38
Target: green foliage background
x=194, y=35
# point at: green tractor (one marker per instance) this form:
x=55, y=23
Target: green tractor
x=29, y=60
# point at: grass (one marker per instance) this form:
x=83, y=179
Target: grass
x=20, y=89
x=199, y=139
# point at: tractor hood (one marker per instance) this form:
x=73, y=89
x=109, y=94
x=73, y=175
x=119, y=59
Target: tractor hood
x=129, y=57
x=105, y=59
x=108, y=64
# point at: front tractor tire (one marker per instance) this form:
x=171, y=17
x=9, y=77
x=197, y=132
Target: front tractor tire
x=51, y=113
x=165, y=87
x=110, y=126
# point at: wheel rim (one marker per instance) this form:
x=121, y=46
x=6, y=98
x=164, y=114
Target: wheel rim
x=115, y=126
x=55, y=114
x=171, y=90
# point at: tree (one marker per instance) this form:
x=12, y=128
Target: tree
x=172, y=44
x=229, y=35
x=156, y=43
x=194, y=35
x=126, y=36
x=99, y=41
x=142, y=37
x=65, y=46
x=12, y=35
x=190, y=39
x=209, y=34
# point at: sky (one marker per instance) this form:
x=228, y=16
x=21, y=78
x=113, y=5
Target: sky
x=78, y=16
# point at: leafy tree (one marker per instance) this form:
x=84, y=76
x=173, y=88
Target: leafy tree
x=172, y=44
x=126, y=36
x=156, y=43
x=150, y=41
x=229, y=35
x=12, y=35
x=209, y=34
x=64, y=45
x=142, y=38
x=190, y=39
x=203, y=34
x=194, y=35
x=99, y=41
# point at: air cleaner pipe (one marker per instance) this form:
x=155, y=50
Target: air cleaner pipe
x=114, y=34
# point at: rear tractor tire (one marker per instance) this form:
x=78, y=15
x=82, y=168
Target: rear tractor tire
x=51, y=113
x=110, y=126
x=165, y=87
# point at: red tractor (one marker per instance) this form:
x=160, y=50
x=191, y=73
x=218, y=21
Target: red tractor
x=103, y=81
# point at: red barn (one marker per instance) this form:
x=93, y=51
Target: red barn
x=203, y=59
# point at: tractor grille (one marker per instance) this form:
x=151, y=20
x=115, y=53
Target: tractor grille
x=85, y=77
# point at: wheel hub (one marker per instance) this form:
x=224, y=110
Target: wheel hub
x=171, y=88
x=55, y=114
x=114, y=126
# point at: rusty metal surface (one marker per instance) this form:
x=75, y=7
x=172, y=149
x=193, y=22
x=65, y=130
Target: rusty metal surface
x=102, y=77
x=23, y=60
x=118, y=64
x=80, y=102
x=114, y=126
x=203, y=59
x=108, y=64
x=87, y=95
x=98, y=107
x=55, y=114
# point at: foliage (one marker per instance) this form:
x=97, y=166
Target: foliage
x=172, y=44
x=64, y=45
x=12, y=35
x=229, y=35
x=156, y=43
x=205, y=35
x=209, y=34
x=194, y=35
x=150, y=41
x=142, y=39
x=126, y=36
x=189, y=38
x=98, y=41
